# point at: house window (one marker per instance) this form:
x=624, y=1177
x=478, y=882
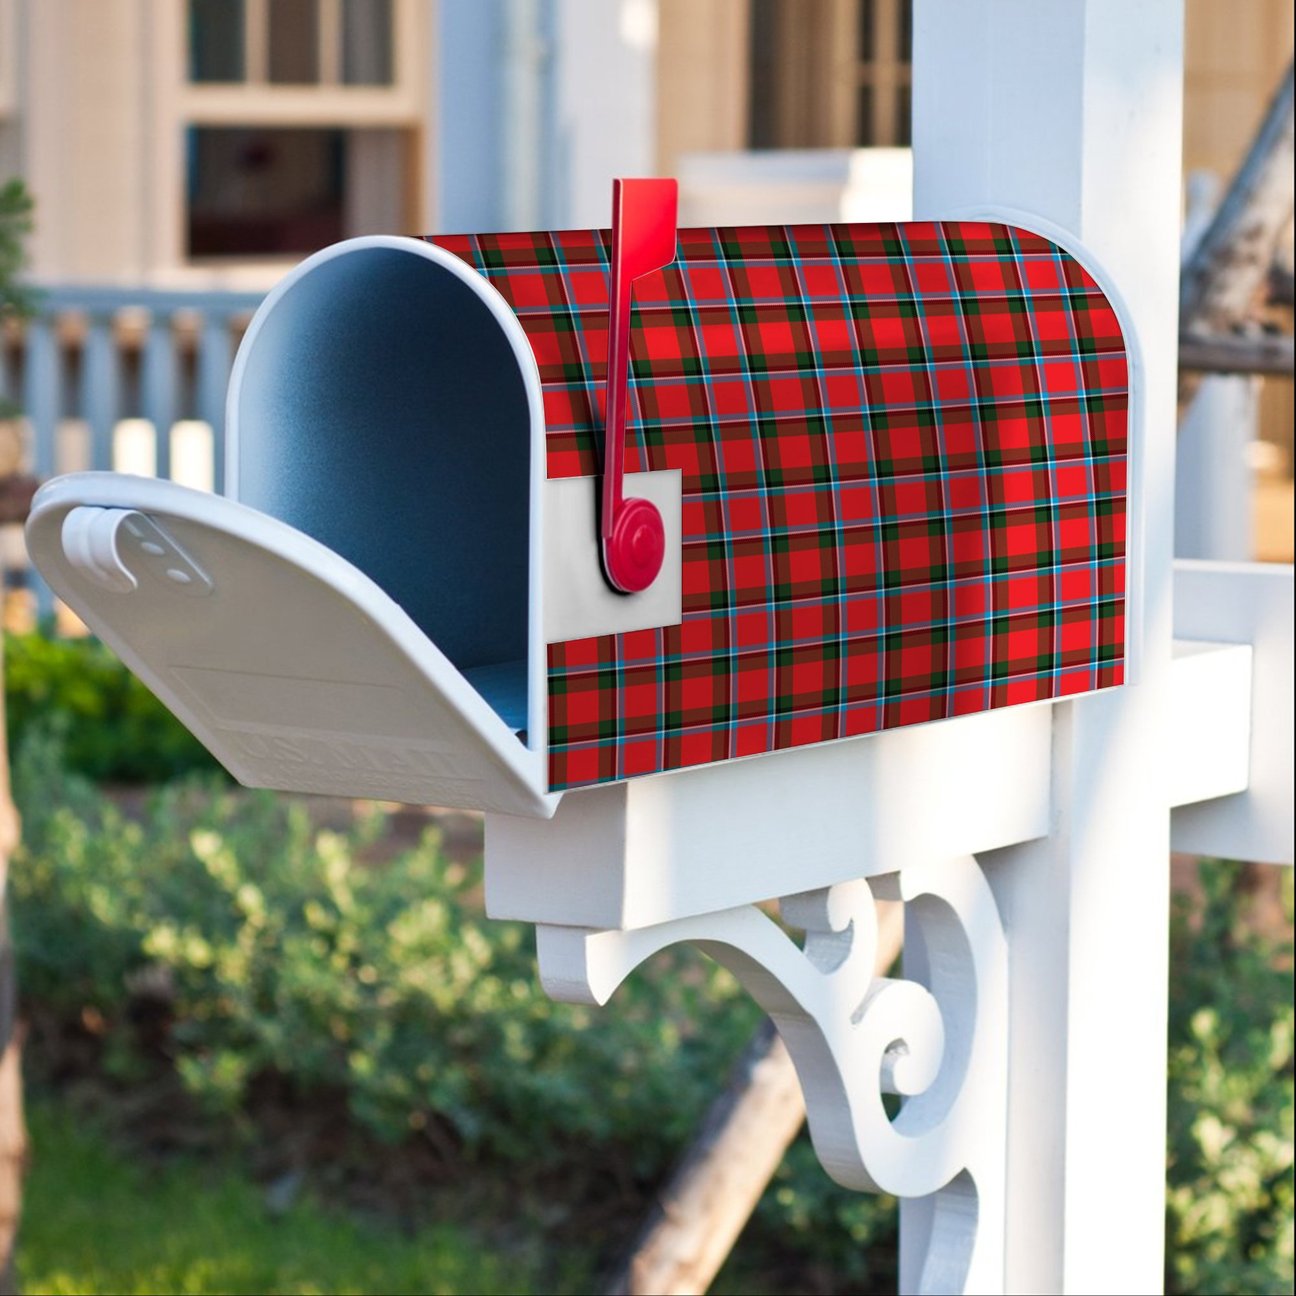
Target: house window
x=293, y=51
x=367, y=40
x=299, y=123
x=830, y=73
x=291, y=42
x=216, y=47
x=264, y=192
x=256, y=192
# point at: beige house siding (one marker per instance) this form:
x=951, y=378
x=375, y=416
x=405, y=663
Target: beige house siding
x=1233, y=56
x=702, y=78
x=83, y=115
x=96, y=123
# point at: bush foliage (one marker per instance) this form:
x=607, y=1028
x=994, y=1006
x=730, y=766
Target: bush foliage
x=16, y=299
x=281, y=952
x=112, y=728
x=1230, y=1200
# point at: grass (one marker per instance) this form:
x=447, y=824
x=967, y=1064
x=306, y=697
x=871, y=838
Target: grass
x=96, y=1221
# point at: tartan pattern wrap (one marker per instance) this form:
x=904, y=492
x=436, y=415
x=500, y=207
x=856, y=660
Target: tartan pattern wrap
x=903, y=451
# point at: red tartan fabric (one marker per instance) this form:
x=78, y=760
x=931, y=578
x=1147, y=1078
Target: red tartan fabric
x=903, y=451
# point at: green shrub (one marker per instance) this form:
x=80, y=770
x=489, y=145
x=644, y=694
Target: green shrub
x=1229, y=1201
x=283, y=954
x=113, y=728
x=846, y=1239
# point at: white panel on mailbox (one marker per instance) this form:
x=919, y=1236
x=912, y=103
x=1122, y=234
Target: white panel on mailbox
x=579, y=602
x=289, y=663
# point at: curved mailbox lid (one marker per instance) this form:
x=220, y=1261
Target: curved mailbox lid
x=286, y=661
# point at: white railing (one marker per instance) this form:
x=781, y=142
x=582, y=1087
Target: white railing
x=131, y=380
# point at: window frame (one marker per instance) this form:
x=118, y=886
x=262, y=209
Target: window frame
x=180, y=103
x=255, y=100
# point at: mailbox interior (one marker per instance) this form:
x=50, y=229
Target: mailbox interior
x=385, y=403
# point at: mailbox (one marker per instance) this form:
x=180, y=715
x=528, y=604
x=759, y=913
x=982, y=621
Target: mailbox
x=884, y=467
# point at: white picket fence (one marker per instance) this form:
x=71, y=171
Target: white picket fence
x=133, y=380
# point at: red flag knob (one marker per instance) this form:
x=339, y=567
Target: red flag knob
x=633, y=553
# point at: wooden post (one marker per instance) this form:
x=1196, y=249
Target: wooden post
x=1227, y=273
x=703, y=1207
x=701, y=1210
x=1070, y=115
x=1248, y=353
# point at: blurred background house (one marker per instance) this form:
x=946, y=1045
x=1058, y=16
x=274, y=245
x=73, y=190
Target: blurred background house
x=184, y=153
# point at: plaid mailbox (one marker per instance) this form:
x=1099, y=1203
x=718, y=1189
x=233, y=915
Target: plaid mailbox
x=891, y=461
x=902, y=452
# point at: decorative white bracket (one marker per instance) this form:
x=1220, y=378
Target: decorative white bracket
x=936, y=1037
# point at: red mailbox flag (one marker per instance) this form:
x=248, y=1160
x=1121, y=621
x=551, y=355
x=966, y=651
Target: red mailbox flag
x=643, y=240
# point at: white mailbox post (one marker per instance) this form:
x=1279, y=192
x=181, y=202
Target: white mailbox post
x=384, y=617
x=1074, y=112
x=1032, y=847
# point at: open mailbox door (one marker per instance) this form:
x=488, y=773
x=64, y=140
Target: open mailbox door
x=364, y=620
x=293, y=667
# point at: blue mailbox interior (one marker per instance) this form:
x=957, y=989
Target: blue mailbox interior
x=382, y=411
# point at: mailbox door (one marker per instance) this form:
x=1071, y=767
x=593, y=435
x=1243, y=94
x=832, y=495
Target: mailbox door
x=286, y=661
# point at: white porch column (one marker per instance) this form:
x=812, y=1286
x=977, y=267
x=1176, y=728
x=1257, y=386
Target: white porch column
x=1072, y=112
x=605, y=80
x=468, y=70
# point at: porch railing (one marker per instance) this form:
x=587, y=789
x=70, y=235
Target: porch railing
x=126, y=379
